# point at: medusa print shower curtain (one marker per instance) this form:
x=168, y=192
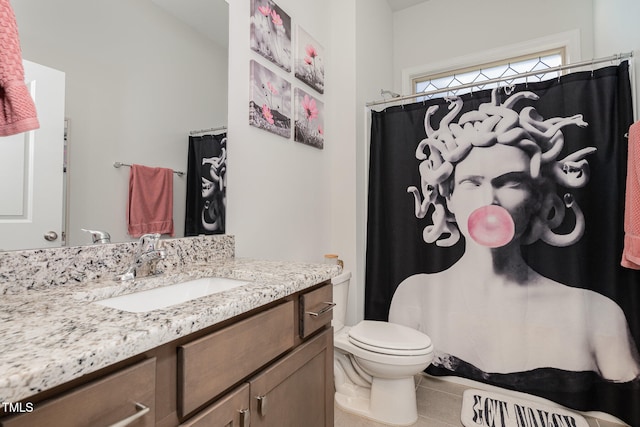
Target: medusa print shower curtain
x=495, y=226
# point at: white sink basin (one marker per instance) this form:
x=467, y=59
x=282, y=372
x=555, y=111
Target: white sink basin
x=166, y=296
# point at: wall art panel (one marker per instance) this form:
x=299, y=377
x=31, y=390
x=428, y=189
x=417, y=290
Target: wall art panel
x=309, y=65
x=270, y=101
x=309, y=120
x=271, y=32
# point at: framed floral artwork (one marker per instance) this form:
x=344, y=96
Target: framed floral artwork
x=309, y=65
x=309, y=120
x=270, y=101
x=271, y=32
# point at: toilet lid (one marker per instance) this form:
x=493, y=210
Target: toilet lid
x=389, y=338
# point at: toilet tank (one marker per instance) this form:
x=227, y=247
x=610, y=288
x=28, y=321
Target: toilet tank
x=340, y=298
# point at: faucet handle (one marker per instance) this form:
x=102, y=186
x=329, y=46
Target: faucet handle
x=148, y=242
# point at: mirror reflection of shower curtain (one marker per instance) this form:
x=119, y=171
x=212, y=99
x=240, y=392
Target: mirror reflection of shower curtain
x=206, y=185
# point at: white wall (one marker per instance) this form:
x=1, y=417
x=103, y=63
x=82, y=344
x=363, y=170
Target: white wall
x=137, y=81
x=290, y=201
x=280, y=191
x=440, y=30
x=616, y=30
x=343, y=120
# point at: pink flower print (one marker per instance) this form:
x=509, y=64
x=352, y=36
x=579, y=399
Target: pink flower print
x=276, y=18
x=309, y=107
x=266, y=112
x=320, y=130
x=272, y=88
x=310, y=59
x=265, y=10
x=311, y=51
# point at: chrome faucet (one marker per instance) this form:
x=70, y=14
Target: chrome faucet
x=146, y=257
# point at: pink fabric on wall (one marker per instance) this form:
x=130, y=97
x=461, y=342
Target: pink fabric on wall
x=631, y=251
x=17, y=110
x=150, y=203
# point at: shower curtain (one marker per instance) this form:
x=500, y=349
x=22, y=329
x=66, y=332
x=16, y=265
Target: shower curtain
x=206, y=185
x=495, y=226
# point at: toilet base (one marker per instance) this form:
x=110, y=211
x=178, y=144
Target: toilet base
x=388, y=401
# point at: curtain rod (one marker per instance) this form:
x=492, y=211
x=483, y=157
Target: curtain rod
x=195, y=132
x=616, y=57
x=120, y=164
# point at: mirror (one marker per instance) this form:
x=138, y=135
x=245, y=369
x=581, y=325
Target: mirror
x=140, y=75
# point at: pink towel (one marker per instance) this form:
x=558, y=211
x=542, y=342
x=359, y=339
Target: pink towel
x=17, y=110
x=631, y=250
x=150, y=204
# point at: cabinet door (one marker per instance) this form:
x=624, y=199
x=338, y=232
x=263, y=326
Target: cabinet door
x=230, y=411
x=126, y=394
x=298, y=389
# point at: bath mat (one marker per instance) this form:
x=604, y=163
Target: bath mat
x=487, y=409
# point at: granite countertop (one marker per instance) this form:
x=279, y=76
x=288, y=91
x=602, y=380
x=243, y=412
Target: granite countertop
x=51, y=336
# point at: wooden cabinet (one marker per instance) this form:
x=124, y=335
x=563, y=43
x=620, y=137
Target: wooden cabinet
x=292, y=391
x=125, y=394
x=295, y=391
x=269, y=367
x=209, y=365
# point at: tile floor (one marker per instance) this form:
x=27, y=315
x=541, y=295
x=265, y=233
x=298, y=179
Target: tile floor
x=439, y=405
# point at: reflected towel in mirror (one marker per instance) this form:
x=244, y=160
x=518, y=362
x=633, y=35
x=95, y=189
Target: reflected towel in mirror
x=150, y=202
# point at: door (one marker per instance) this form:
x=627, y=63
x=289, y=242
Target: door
x=31, y=169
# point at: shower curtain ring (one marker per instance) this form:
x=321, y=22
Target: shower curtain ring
x=508, y=90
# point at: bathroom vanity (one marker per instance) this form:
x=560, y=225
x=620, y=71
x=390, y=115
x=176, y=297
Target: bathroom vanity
x=257, y=355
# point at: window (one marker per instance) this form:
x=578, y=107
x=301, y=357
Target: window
x=503, y=69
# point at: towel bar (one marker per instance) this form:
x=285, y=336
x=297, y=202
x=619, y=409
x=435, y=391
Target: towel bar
x=120, y=164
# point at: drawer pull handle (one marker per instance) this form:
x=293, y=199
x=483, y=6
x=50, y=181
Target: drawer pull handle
x=142, y=411
x=245, y=418
x=329, y=306
x=262, y=405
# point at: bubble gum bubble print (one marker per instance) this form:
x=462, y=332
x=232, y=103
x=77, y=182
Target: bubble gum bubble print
x=491, y=226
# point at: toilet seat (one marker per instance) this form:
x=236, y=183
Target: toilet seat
x=389, y=338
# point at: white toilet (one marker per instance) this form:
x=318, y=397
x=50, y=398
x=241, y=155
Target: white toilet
x=375, y=363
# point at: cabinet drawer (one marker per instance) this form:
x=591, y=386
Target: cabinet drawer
x=210, y=365
x=99, y=403
x=316, y=310
x=231, y=410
